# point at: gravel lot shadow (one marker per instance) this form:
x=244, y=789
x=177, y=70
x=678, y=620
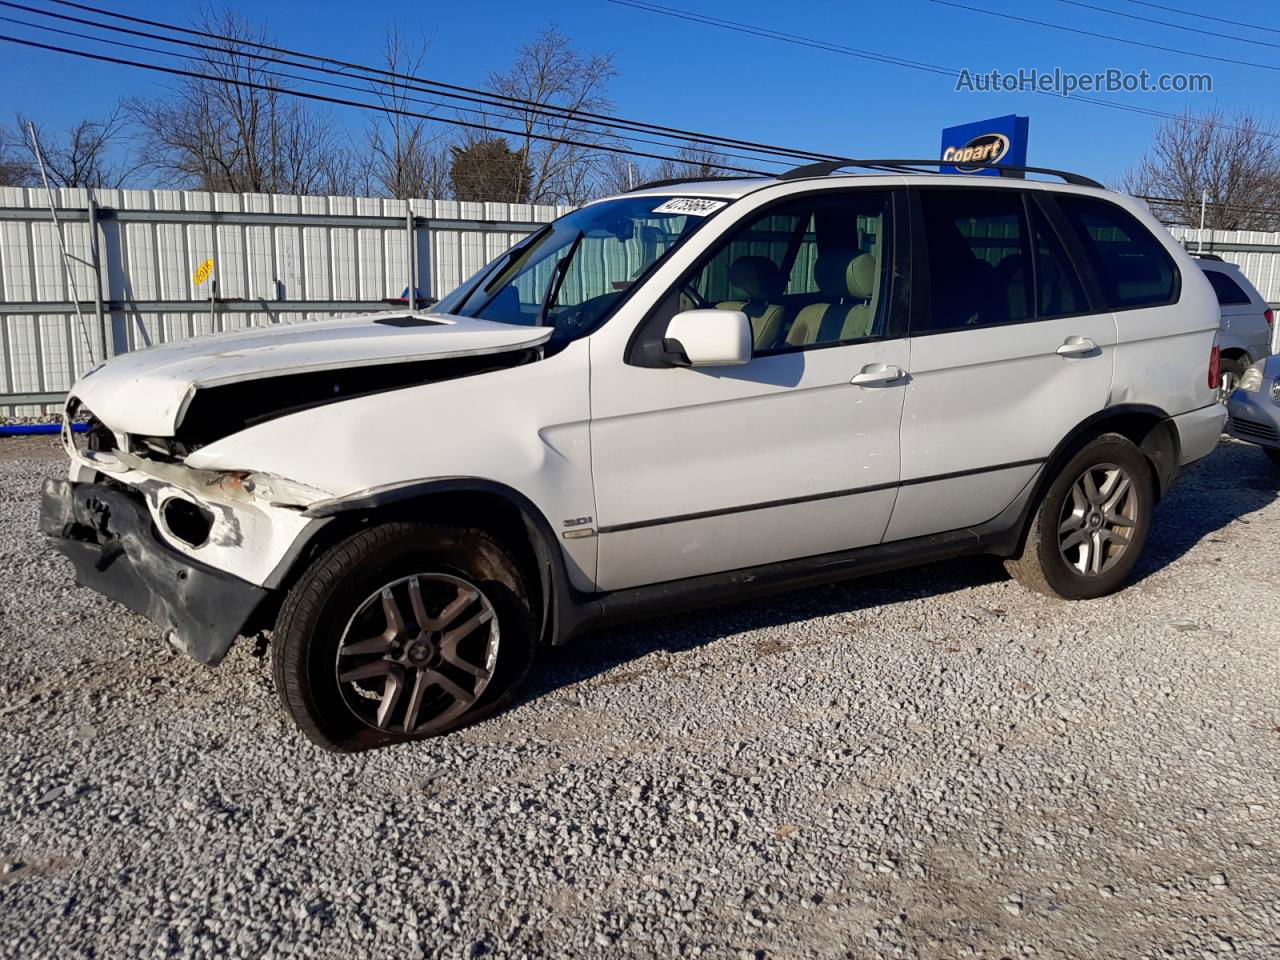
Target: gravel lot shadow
x=601, y=651
x=1237, y=480
x=1234, y=482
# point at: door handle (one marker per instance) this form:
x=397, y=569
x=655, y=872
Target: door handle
x=874, y=373
x=1076, y=347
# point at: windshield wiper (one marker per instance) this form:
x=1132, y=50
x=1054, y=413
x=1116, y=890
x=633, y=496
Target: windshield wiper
x=557, y=279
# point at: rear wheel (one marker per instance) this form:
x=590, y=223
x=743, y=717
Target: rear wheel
x=1091, y=525
x=401, y=632
x=1233, y=369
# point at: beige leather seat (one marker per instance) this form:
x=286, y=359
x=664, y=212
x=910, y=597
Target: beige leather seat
x=762, y=281
x=849, y=279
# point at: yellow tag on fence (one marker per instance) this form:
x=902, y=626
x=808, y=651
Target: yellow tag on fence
x=202, y=272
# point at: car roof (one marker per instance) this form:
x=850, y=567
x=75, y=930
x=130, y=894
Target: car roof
x=1212, y=262
x=734, y=188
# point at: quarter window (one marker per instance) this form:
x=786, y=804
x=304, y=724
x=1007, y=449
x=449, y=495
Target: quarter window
x=979, y=258
x=1133, y=267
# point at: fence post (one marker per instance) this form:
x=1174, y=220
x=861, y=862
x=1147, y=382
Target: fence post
x=95, y=248
x=411, y=258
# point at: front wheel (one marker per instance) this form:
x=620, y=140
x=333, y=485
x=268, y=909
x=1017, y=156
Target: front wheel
x=1091, y=525
x=403, y=631
x=1273, y=454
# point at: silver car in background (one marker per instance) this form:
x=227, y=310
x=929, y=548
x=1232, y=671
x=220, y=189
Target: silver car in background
x=1247, y=320
x=1254, y=408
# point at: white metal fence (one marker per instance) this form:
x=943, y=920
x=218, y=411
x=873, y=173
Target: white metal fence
x=277, y=259
x=1256, y=253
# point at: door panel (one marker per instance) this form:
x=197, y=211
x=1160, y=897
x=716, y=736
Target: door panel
x=997, y=400
x=706, y=470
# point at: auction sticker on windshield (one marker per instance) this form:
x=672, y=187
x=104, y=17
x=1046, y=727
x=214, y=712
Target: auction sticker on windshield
x=691, y=206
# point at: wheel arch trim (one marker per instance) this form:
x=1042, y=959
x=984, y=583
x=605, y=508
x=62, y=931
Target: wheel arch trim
x=564, y=611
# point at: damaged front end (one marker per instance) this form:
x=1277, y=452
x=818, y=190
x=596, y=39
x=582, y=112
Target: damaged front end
x=107, y=533
x=195, y=551
x=154, y=518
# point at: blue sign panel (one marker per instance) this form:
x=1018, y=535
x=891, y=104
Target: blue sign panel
x=998, y=140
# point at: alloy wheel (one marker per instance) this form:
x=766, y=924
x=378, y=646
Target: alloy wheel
x=1098, y=519
x=418, y=653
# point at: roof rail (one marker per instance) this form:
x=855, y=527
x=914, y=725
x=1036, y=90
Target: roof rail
x=672, y=181
x=826, y=167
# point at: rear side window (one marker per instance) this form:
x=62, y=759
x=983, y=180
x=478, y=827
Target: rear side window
x=979, y=258
x=1133, y=268
x=1228, y=291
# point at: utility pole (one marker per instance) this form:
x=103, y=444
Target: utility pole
x=1204, y=202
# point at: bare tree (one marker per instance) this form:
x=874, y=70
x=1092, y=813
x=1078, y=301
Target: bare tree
x=15, y=165
x=620, y=173
x=407, y=156
x=88, y=154
x=213, y=133
x=489, y=170
x=550, y=73
x=1234, y=158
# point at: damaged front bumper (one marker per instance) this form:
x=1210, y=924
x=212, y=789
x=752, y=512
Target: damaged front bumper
x=108, y=533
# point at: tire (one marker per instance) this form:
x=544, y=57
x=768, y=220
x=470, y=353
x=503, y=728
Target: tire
x=427, y=615
x=1273, y=454
x=1095, y=562
x=1235, y=367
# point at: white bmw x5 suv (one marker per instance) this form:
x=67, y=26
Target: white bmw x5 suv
x=694, y=392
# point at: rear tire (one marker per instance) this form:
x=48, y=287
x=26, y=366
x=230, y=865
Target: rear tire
x=400, y=632
x=1091, y=524
x=1234, y=367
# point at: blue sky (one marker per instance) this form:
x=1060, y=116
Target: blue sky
x=705, y=78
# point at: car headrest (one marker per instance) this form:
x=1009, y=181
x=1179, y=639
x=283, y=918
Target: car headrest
x=758, y=277
x=846, y=274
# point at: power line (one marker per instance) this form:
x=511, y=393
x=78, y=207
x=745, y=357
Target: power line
x=1195, y=202
x=1104, y=36
x=409, y=80
x=791, y=38
x=1205, y=16
x=1173, y=26
x=264, y=71
x=756, y=30
x=339, y=101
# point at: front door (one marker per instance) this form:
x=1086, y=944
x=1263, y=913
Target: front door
x=794, y=454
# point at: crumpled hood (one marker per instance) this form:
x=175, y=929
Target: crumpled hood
x=148, y=391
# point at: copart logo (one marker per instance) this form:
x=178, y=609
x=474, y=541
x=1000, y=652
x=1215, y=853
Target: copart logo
x=983, y=149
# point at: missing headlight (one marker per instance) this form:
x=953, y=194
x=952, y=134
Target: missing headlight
x=83, y=432
x=187, y=521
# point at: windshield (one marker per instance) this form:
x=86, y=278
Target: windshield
x=571, y=273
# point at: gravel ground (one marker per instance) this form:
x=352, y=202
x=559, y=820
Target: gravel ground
x=932, y=763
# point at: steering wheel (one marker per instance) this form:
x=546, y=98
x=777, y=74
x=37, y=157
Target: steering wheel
x=699, y=301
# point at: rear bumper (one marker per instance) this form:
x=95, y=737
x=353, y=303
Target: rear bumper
x=1198, y=432
x=109, y=536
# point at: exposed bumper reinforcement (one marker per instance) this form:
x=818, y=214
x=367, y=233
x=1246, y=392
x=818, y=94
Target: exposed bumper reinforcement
x=109, y=536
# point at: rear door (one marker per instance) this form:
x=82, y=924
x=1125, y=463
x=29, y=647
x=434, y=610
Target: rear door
x=1009, y=352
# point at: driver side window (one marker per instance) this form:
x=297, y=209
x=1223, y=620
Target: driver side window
x=809, y=273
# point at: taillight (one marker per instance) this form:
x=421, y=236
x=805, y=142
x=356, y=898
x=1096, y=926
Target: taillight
x=1270, y=317
x=1215, y=368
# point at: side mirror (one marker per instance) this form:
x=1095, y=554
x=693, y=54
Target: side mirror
x=708, y=338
